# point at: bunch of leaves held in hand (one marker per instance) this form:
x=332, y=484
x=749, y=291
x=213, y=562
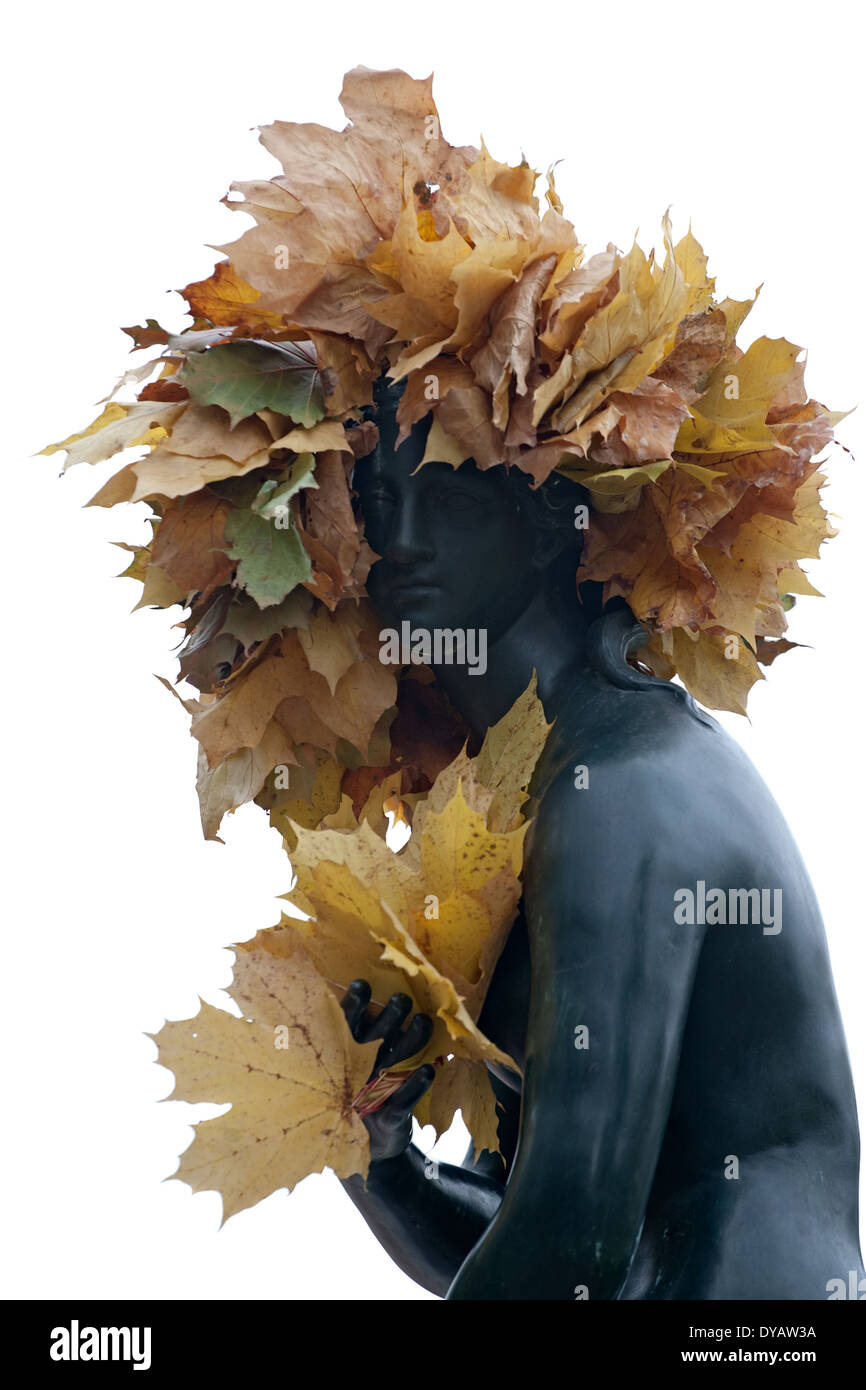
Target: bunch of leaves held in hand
x=429, y=921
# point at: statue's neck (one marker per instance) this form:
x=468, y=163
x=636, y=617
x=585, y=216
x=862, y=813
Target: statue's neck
x=546, y=638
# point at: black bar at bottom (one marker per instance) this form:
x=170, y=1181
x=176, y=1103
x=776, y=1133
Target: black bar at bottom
x=84, y=1337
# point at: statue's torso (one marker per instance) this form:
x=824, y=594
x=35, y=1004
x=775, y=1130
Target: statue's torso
x=755, y=1188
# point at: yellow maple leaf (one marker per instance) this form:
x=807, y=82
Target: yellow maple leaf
x=226, y=299
x=240, y=777
x=290, y=1069
x=471, y=877
x=627, y=338
x=730, y=416
x=438, y=998
x=462, y=1084
x=716, y=671
x=118, y=427
x=494, y=782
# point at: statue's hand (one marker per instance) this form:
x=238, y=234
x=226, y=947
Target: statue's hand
x=390, y=1127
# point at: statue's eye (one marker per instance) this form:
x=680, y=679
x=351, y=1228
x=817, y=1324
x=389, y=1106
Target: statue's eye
x=459, y=500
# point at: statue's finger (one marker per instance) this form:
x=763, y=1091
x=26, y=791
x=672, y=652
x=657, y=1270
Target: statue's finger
x=405, y=1045
x=354, y=1005
x=396, y=1107
x=390, y=1018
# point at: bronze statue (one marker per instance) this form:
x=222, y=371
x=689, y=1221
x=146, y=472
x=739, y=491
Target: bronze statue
x=687, y=1126
x=614, y=493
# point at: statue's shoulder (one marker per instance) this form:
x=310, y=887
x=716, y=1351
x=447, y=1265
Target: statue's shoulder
x=620, y=718
x=647, y=730
x=642, y=762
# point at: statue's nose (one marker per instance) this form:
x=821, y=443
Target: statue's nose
x=409, y=539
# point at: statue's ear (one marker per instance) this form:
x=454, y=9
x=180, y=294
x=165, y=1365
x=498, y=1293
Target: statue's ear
x=558, y=517
x=549, y=543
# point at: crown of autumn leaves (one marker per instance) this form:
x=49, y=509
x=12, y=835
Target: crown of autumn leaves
x=382, y=248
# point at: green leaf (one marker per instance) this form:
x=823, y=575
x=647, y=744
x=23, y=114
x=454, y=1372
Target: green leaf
x=271, y=559
x=274, y=495
x=249, y=375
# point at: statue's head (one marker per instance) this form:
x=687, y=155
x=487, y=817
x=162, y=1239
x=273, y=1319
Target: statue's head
x=461, y=547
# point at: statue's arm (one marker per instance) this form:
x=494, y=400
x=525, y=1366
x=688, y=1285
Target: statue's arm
x=427, y=1217
x=607, y=957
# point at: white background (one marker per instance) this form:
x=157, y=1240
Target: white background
x=126, y=124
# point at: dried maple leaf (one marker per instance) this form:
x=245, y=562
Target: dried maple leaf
x=718, y=674
x=240, y=777
x=148, y=334
x=509, y=350
x=281, y=685
x=331, y=644
x=189, y=545
x=118, y=427
x=628, y=337
x=290, y=1069
x=731, y=414
x=206, y=432
x=462, y=1084
x=508, y=755
x=227, y=300
x=165, y=473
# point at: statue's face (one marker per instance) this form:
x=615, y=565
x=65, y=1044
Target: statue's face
x=456, y=551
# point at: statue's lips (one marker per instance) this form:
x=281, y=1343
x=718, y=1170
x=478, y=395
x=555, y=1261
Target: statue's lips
x=415, y=589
